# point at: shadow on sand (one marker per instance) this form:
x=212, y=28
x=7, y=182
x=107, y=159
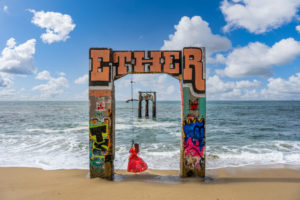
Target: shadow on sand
x=153, y=178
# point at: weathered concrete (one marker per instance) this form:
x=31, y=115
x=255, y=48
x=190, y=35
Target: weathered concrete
x=106, y=65
x=147, y=96
x=154, y=106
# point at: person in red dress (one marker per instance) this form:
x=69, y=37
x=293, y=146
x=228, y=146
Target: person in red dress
x=135, y=163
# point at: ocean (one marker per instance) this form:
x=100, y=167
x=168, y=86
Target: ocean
x=54, y=134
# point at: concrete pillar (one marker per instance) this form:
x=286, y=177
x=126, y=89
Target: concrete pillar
x=101, y=114
x=192, y=162
x=101, y=133
x=147, y=108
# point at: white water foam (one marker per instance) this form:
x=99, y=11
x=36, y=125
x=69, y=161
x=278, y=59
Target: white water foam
x=69, y=150
x=147, y=124
x=48, y=151
x=67, y=130
x=263, y=153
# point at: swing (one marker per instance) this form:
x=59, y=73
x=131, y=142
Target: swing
x=135, y=163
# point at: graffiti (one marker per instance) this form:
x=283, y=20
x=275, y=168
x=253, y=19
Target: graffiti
x=100, y=107
x=102, y=62
x=193, y=69
x=100, y=140
x=98, y=148
x=98, y=121
x=100, y=104
x=100, y=116
x=96, y=160
x=193, y=105
x=194, y=143
x=100, y=70
x=100, y=112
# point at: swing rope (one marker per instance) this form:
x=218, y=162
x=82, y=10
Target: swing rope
x=132, y=128
x=132, y=117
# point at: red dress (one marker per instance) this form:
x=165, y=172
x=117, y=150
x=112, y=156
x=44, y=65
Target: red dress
x=135, y=163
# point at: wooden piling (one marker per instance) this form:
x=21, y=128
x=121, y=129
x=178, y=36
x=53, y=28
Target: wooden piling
x=154, y=105
x=140, y=106
x=147, y=108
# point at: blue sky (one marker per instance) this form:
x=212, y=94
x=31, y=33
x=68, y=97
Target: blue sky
x=253, y=46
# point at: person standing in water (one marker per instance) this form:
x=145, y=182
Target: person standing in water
x=135, y=163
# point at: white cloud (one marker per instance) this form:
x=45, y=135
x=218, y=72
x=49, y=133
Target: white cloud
x=219, y=58
x=82, y=80
x=5, y=81
x=162, y=78
x=258, y=16
x=7, y=94
x=57, y=25
x=61, y=73
x=170, y=89
x=18, y=59
x=5, y=9
x=298, y=28
x=279, y=88
x=275, y=89
x=246, y=84
x=258, y=59
x=82, y=96
x=147, y=80
x=196, y=32
x=166, y=87
x=218, y=89
x=53, y=87
x=12, y=94
x=44, y=75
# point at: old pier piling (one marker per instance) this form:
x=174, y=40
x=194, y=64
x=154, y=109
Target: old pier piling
x=147, y=96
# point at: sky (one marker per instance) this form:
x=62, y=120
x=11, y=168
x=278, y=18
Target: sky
x=252, y=46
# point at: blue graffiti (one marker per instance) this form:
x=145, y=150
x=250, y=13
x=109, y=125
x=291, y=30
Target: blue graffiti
x=194, y=131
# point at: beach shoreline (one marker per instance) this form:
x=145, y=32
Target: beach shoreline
x=226, y=183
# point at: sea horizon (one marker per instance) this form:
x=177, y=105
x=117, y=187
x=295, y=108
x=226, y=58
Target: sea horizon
x=57, y=100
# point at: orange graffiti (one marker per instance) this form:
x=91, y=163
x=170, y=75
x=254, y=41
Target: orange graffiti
x=100, y=73
x=193, y=68
x=108, y=65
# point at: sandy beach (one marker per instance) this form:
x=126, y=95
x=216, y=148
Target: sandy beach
x=228, y=183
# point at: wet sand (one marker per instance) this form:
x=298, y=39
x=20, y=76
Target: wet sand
x=227, y=183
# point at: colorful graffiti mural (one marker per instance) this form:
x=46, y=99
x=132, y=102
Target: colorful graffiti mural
x=188, y=66
x=194, y=145
x=100, y=135
x=99, y=145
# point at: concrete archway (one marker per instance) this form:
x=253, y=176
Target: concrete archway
x=106, y=65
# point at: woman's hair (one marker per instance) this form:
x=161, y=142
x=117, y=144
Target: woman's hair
x=137, y=148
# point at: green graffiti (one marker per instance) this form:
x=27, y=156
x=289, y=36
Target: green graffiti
x=202, y=107
x=186, y=98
